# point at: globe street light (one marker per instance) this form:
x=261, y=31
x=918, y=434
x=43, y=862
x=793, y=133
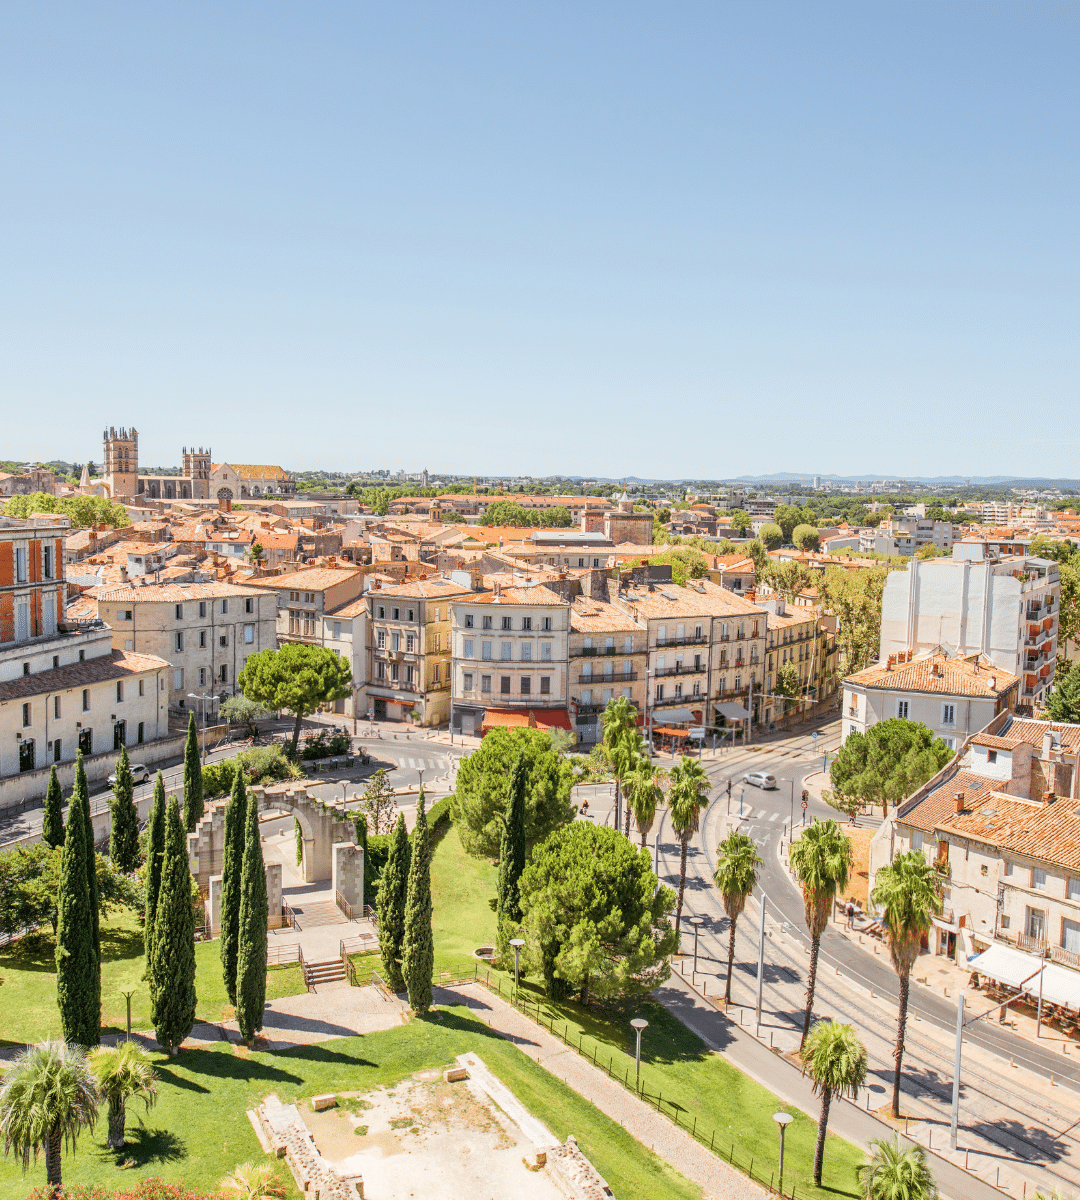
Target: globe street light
x=782, y=1119
x=517, y=943
x=695, y=923
x=639, y=1023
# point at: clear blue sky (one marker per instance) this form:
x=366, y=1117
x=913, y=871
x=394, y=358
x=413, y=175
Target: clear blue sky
x=624, y=238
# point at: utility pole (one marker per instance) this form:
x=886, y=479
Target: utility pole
x=760, y=957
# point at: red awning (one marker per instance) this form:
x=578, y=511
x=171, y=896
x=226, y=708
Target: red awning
x=532, y=718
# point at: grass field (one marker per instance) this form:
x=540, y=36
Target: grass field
x=198, y=1130
x=28, y=971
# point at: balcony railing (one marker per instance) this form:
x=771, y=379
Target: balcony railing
x=616, y=676
x=681, y=669
x=695, y=640
x=592, y=651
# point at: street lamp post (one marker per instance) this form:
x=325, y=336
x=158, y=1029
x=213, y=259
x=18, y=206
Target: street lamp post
x=420, y=772
x=127, y=996
x=695, y=923
x=760, y=957
x=639, y=1024
x=782, y=1119
x=517, y=943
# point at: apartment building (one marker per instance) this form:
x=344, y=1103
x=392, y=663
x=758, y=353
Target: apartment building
x=609, y=657
x=1001, y=824
x=952, y=696
x=806, y=638
x=511, y=659
x=907, y=535
x=204, y=631
x=409, y=671
x=31, y=579
x=305, y=597
x=1006, y=610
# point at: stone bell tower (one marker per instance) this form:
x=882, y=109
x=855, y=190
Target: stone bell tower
x=197, y=469
x=121, y=468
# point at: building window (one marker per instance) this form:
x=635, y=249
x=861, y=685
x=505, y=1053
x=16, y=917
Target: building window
x=526, y=685
x=580, y=562
x=546, y=623
x=508, y=622
x=224, y=606
x=485, y=683
x=948, y=714
x=58, y=750
x=486, y=622
x=202, y=639
x=249, y=634
x=409, y=641
x=223, y=639
x=659, y=691
x=902, y=710
x=1008, y=870
x=1038, y=878
x=545, y=652
x=395, y=641
x=396, y=614
x=545, y=685
x=469, y=621
x=249, y=605
x=393, y=672
x=435, y=673
x=202, y=608
x=382, y=612
x=202, y=677
x=466, y=681
x=485, y=651
x=1036, y=924
x=505, y=651
x=86, y=699
x=139, y=736
x=119, y=735
x=466, y=647
x=119, y=692
x=27, y=716
x=526, y=622
x=179, y=642
x=380, y=639
x=916, y=839
x=526, y=651
x=48, y=561
x=86, y=741
x=678, y=691
x=178, y=679
x=504, y=685
x=1072, y=887
x=380, y=670
x=179, y=612
x=26, y=754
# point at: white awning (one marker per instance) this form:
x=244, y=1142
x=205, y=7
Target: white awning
x=949, y=927
x=1060, y=985
x=733, y=711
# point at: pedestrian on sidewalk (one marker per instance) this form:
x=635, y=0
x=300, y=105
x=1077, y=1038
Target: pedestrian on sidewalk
x=729, y=789
x=850, y=910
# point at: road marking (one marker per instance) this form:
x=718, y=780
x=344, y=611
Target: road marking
x=761, y=814
x=775, y=817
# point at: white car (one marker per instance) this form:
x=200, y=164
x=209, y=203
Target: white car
x=760, y=779
x=139, y=774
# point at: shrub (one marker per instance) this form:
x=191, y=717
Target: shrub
x=325, y=745
x=262, y=764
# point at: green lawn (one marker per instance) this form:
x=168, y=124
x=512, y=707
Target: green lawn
x=199, y=1129
x=28, y=971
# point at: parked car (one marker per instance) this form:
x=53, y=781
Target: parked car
x=139, y=774
x=760, y=779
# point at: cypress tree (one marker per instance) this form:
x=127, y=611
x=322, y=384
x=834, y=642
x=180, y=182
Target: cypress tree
x=52, y=824
x=232, y=869
x=155, y=848
x=512, y=846
x=124, y=835
x=76, y=964
x=417, y=948
x=80, y=802
x=193, y=789
x=393, y=893
x=172, y=964
x=251, y=949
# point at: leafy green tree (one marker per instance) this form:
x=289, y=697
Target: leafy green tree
x=592, y=916
x=29, y=882
x=644, y=791
x=123, y=1073
x=735, y=877
x=908, y=894
x=787, y=516
x=124, y=834
x=836, y=1062
x=821, y=859
x=480, y=797
x=255, y=554
x=1069, y=605
x=232, y=870
x=740, y=521
x=622, y=745
x=193, y=787
x=1063, y=703
x=378, y=803
x=83, y=510
x=393, y=895
x=771, y=535
x=897, y=1172
x=417, y=946
x=855, y=598
x=512, y=849
x=687, y=793
x=253, y=920
x=788, y=683
x=155, y=850
x=806, y=537
x=52, y=822
x=239, y=710
x=297, y=679
x=887, y=763
x=77, y=966
x=172, y=965
x=685, y=563
x=789, y=578
x=48, y=1097
x=755, y=549
x=1044, y=547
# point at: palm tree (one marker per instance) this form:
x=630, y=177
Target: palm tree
x=644, y=793
x=123, y=1073
x=835, y=1060
x=687, y=794
x=908, y=893
x=893, y=1173
x=736, y=877
x=254, y=1181
x=821, y=859
x=48, y=1096
x=622, y=745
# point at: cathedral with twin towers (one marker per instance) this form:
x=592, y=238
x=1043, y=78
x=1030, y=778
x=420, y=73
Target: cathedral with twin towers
x=202, y=479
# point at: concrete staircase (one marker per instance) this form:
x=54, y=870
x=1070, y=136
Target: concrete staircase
x=330, y=970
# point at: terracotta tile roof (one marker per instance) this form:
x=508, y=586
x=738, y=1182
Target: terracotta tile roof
x=588, y=615
x=171, y=593
x=521, y=595
x=937, y=673
x=424, y=589
x=702, y=599
x=254, y=471
x=1048, y=832
x=927, y=812
x=314, y=580
x=117, y=664
x=1023, y=730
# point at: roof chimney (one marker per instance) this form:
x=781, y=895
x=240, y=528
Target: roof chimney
x=959, y=802
x=891, y=662
x=993, y=683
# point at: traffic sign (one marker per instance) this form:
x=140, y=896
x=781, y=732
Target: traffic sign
x=805, y=805
x=814, y=735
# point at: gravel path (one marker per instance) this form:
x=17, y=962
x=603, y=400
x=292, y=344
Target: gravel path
x=640, y=1120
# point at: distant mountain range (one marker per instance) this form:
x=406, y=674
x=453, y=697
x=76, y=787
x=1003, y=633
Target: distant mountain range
x=790, y=477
